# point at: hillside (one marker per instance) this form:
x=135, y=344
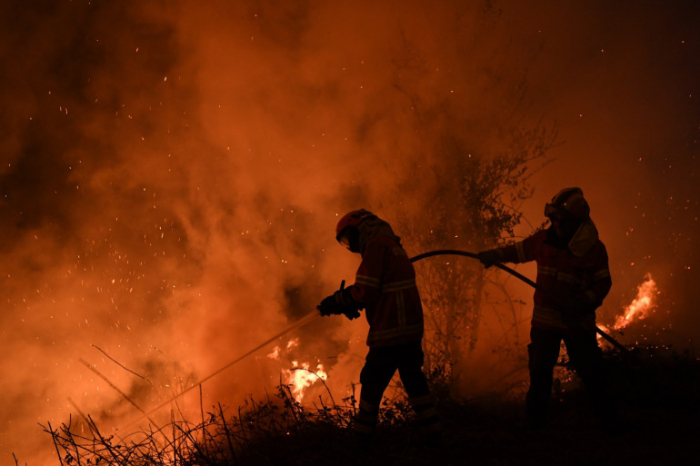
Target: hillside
x=657, y=393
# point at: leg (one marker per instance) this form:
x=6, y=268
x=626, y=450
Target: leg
x=543, y=351
x=375, y=376
x=410, y=363
x=587, y=359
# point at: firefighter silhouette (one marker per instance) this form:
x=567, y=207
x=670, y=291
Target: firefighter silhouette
x=385, y=287
x=573, y=278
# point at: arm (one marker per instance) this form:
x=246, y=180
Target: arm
x=522, y=251
x=601, y=280
x=595, y=287
x=367, y=288
x=340, y=302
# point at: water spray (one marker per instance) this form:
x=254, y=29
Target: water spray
x=315, y=314
x=299, y=323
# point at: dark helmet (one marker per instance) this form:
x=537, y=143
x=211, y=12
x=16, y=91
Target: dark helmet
x=568, y=203
x=351, y=219
x=347, y=233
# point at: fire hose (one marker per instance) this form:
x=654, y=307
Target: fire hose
x=456, y=252
x=314, y=314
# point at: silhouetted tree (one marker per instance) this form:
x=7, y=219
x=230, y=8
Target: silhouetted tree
x=478, y=157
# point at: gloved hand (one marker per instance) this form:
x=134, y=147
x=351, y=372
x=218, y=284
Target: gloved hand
x=329, y=306
x=340, y=302
x=351, y=313
x=351, y=308
x=490, y=257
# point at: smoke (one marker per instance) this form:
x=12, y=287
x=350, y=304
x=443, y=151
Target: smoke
x=172, y=172
x=622, y=81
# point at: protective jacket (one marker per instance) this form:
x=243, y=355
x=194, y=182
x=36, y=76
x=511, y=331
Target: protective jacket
x=385, y=284
x=576, y=269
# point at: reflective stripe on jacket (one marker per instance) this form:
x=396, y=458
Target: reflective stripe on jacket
x=386, y=285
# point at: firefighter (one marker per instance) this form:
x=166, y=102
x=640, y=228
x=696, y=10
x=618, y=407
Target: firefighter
x=385, y=287
x=572, y=280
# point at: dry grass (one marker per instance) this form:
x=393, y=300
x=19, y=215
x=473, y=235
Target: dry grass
x=658, y=393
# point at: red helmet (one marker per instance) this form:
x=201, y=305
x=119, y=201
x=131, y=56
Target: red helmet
x=352, y=219
x=568, y=202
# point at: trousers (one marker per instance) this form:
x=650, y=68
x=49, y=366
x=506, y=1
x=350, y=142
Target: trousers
x=587, y=359
x=380, y=366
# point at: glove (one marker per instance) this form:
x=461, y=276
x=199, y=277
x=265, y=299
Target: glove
x=351, y=308
x=329, y=306
x=351, y=313
x=490, y=257
x=340, y=302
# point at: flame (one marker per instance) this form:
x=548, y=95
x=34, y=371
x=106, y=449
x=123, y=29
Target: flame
x=642, y=304
x=604, y=328
x=301, y=378
x=293, y=343
x=275, y=354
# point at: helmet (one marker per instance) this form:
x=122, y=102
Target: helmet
x=568, y=202
x=352, y=219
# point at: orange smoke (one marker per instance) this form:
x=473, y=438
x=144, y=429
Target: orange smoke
x=182, y=211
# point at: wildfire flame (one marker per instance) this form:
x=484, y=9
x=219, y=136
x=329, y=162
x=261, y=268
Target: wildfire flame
x=293, y=343
x=301, y=378
x=275, y=354
x=641, y=306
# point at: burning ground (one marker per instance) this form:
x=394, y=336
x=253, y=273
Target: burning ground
x=172, y=172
